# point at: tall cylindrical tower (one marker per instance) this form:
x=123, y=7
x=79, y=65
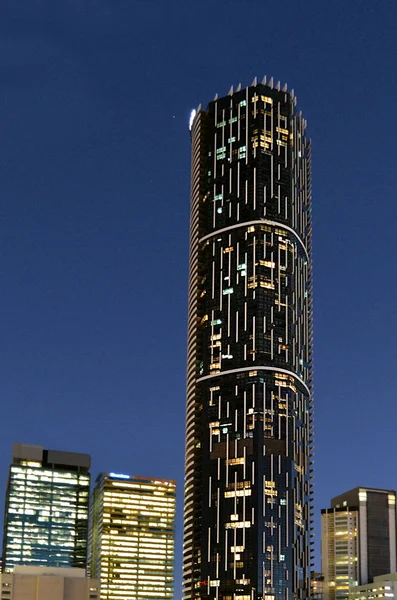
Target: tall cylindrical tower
x=248, y=489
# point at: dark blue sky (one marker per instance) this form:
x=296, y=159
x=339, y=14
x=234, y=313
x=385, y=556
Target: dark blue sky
x=95, y=158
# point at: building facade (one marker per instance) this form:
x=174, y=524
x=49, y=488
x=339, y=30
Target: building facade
x=46, y=513
x=46, y=583
x=358, y=540
x=132, y=538
x=317, y=582
x=248, y=489
x=383, y=587
x=339, y=551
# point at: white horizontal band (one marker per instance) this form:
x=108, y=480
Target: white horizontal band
x=257, y=222
x=256, y=368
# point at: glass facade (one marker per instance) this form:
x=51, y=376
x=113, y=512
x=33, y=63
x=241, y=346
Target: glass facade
x=46, y=519
x=248, y=488
x=133, y=537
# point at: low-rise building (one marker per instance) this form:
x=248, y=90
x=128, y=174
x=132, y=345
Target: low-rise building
x=48, y=583
x=383, y=586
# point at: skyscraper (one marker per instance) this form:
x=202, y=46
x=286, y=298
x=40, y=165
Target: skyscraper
x=133, y=537
x=46, y=514
x=248, y=490
x=358, y=540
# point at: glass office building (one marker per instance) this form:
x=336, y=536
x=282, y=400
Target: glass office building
x=248, y=488
x=46, y=515
x=132, y=537
x=359, y=541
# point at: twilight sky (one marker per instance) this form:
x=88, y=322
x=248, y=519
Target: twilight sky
x=95, y=97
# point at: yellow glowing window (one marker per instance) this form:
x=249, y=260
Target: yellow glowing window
x=236, y=493
x=267, y=263
x=238, y=525
x=235, y=461
x=215, y=366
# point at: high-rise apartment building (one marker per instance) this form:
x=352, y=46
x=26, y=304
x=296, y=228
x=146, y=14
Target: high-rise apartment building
x=46, y=514
x=358, y=540
x=48, y=583
x=248, y=490
x=133, y=537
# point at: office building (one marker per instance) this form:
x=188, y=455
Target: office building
x=317, y=581
x=383, y=586
x=248, y=489
x=48, y=583
x=358, y=540
x=132, y=537
x=46, y=513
